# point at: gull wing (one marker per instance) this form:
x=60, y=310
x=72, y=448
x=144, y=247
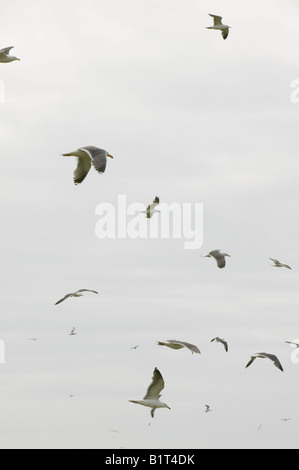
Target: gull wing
x=155, y=202
x=190, y=346
x=225, y=33
x=6, y=50
x=251, y=361
x=65, y=297
x=275, y=261
x=218, y=257
x=274, y=359
x=217, y=19
x=83, y=167
x=171, y=344
x=153, y=391
x=86, y=290
x=98, y=158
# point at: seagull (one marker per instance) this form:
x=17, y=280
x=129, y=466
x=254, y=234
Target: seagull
x=285, y=419
x=174, y=344
x=152, y=395
x=75, y=294
x=135, y=347
x=292, y=342
x=86, y=156
x=72, y=333
x=277, y=264
x=219, y=340
x=219, y=26
x=150, y=210
x=264, y=355
x=207, y=409
x=5, y=57
x=33, y=339
x=219, y=257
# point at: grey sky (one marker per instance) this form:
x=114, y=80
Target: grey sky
x=188, y=117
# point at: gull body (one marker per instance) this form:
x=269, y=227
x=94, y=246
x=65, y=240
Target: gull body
x=152, y=396
x=73, y=332
x=277, y=264
x=207, y=408
x=264, y=355
x=218, y=25
x=174, y=344
x=5, y=57
x=150, y=210
x=218, y=256
x=78, y=293
x=220, y=340
x=88, y=156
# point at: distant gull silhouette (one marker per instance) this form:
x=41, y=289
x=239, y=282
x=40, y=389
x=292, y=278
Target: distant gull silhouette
x=152, y=395
x=219, y=257
x=264, y=355
x=78, y=293
x=277, y=264
x=86, y=156
x=218, y=25
x=150, y=210
x=174, y=344
x=219, y=340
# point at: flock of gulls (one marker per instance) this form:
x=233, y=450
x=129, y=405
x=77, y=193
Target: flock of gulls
x=91, y=156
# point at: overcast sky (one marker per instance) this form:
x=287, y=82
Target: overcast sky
x=190, y=118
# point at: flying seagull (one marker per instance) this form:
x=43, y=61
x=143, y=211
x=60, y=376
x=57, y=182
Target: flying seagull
x=207, y=408
x=72, y=333
x=152, y=395
x=292, y=342
x=33, y=339
x=219, y=257
x=277, y=264
x=135, y=347
x=150, y=210
x=218, y=25
x=75, y=294
x=264, y=355
x=285, y=419
x=174, y=344
x=86, y=156
x=5, y=57
x=219, y=340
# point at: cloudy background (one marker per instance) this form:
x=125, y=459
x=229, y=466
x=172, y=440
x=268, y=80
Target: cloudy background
x=190, y=118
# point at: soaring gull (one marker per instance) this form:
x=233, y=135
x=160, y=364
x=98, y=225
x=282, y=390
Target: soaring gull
x=264, y=355
x=73, y=332
x=277, y=264
x=78, y=293
x=174, y=344
x=150, y=210
x=220, y=340
x=219, y=257
x=152, y=395
x=218, y=25
x=86, y=156
x=207, y=408
x=5, y=57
